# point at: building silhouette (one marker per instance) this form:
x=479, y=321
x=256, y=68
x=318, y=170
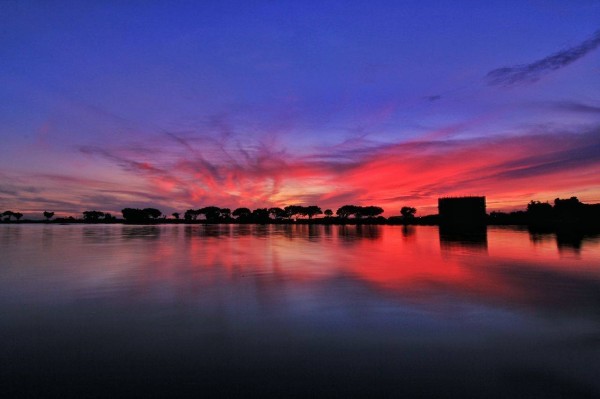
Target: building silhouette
x=462, y=210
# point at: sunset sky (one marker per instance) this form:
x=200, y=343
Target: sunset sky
x=180, y=105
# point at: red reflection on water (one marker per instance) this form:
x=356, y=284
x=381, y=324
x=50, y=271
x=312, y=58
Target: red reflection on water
x=272, y=262
x=506, y=268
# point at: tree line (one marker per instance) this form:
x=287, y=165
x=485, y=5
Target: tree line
x=216, y=214
x=561, y=212
x=213, y=213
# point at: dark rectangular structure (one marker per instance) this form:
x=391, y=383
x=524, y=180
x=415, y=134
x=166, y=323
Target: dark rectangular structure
x=462, y=210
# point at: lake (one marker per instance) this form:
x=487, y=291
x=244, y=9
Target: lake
x=297, y=311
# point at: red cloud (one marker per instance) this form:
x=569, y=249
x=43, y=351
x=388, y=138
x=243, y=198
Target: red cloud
x=187, y=172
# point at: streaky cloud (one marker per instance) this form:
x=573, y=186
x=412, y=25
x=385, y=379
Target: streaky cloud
x=571, y=106
x=530, y=73
x=546, y=158
x=433, y=98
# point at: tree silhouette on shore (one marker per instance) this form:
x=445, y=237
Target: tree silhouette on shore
x=132, y=215
x=408, y=213
x=92, y=216
x=312, y=210
x=152, y=213
x=293, y=211
x=358, y=212
x=570, y=213
x=277, y=213
x=242, y=213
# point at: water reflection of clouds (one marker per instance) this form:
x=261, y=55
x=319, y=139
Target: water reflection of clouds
x=10, y=234
x=141, y=232
x=99, y=234
x=248, y=297
x=306, y=232
x=414, y=264
x=545, y=290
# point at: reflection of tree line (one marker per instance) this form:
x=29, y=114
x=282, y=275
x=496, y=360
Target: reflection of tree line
x=565, y=238
x=475, y=237
x=451, y=237
x=290, y=231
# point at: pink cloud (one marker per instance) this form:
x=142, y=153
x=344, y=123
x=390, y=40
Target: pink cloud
x=181, y=171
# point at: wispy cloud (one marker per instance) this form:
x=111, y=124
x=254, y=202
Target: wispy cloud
x=183, y=170
x=389, y=175
x=529, y=73
x=576, y=107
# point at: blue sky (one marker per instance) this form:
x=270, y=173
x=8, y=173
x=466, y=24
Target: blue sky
x=186, y=104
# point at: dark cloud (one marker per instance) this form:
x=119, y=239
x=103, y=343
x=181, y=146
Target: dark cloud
x=5, y=191
x=584, y=151
x=412, y=197
x=571, y=106
x=433, y=98
x=529, y=73
x=130, y=165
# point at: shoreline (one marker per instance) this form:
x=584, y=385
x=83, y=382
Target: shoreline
x=548, y=226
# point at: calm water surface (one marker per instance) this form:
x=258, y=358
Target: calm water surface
x=284, y=311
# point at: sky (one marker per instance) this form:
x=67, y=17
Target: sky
x=180, y=105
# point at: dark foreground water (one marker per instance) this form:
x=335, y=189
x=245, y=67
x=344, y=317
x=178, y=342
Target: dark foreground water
x=297, y=311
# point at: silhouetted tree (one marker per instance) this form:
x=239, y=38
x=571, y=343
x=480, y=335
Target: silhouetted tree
x=92, y=216
x=260, y=215
x=153, y=213
x=140, y=215
x=408, y=213
x=539, y=211
x=134, y=215
x=18, y=215
x=48, y=215
x=358, y=212
x=277, y=213
x=190, y=215
x=109, y=218
x=241, y=213
x=370, y=211
x=8, y=214
x=345, y=211
x=328, y=212
x=212, y=213
x=175, y=215
x=294, y=211
x=225, y=213
x=311, y=211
